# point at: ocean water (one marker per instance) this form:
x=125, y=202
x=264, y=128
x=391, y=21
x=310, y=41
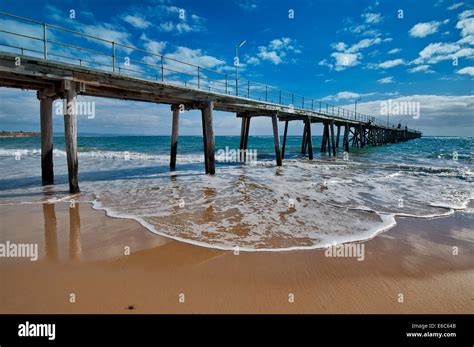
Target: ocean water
x=255, y=206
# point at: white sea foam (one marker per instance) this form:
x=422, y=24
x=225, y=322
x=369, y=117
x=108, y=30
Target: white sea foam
x=102, y=154
x=302, y=205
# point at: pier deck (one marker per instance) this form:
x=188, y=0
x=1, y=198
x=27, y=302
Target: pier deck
x=71, y=71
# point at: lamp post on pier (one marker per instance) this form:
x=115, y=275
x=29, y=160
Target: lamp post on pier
x=237, y=63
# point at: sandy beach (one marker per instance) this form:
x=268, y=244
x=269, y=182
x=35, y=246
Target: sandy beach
x=117, y=266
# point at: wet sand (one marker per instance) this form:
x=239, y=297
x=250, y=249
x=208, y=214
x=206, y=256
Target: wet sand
x=85, y=253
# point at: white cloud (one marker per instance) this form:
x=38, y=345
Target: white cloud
x=340, y=46
x=364, y=43
x=345, y=95
x=345, y=60
x=386, y=80
x=424, y=29
x=324, y=62
x=466, y=14
x=421, y=68
x=455, y=6
x=394, y=51
x=468, y=40
x=391, y=63
x=466, y=71
x=466, y=25
x=270, y=56
x=247, y=5
x=372, y=18
x=349, y=56
x=348, y=95
x=109, y=32
x=278, y=50
x=196, y=57
x=167, y=26
x=153, y=46
x=436, y=52
x=253, y=61
x=452, y=114
x=137, y=21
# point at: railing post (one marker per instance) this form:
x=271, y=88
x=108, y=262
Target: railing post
x=162, y=70
x=45, y=42
x=320, y=106
x=312, y=104
x=113, y=56
x=266, y=93
x=199, y=80
x=248, y=89
x=226, y=84
x=280, y=98
x=302, y=102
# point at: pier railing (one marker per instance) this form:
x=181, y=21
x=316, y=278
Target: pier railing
x=51, y=42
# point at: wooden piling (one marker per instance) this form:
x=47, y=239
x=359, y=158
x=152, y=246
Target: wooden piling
x=247, y=131
x=333, y=140
x=70, y=134
x=242, y=136
x=328, y=138
x=355, y=141
x=204, y=140
x=346, y=137
x=310, y=139
x=303, y=140
x=174, y=136
x=284, y=141
x=323, y=142
x=276, y=139
x=46, y=120
x=209, y=150
x=338, y=135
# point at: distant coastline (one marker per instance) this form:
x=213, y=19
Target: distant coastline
x=18, y=134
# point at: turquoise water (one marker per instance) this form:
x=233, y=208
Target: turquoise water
x=255, y=206
x=425, y=148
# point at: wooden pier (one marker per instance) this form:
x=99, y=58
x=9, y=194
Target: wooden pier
x=58, y=75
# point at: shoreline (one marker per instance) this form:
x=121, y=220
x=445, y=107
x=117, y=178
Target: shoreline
x=82, y=252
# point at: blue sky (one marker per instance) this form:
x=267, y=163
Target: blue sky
x=336, y=51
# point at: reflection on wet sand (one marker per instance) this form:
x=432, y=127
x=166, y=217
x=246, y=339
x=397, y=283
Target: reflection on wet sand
x=50, y=231
x=75, y=248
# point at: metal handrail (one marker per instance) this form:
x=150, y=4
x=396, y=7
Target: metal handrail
x=167, y=71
